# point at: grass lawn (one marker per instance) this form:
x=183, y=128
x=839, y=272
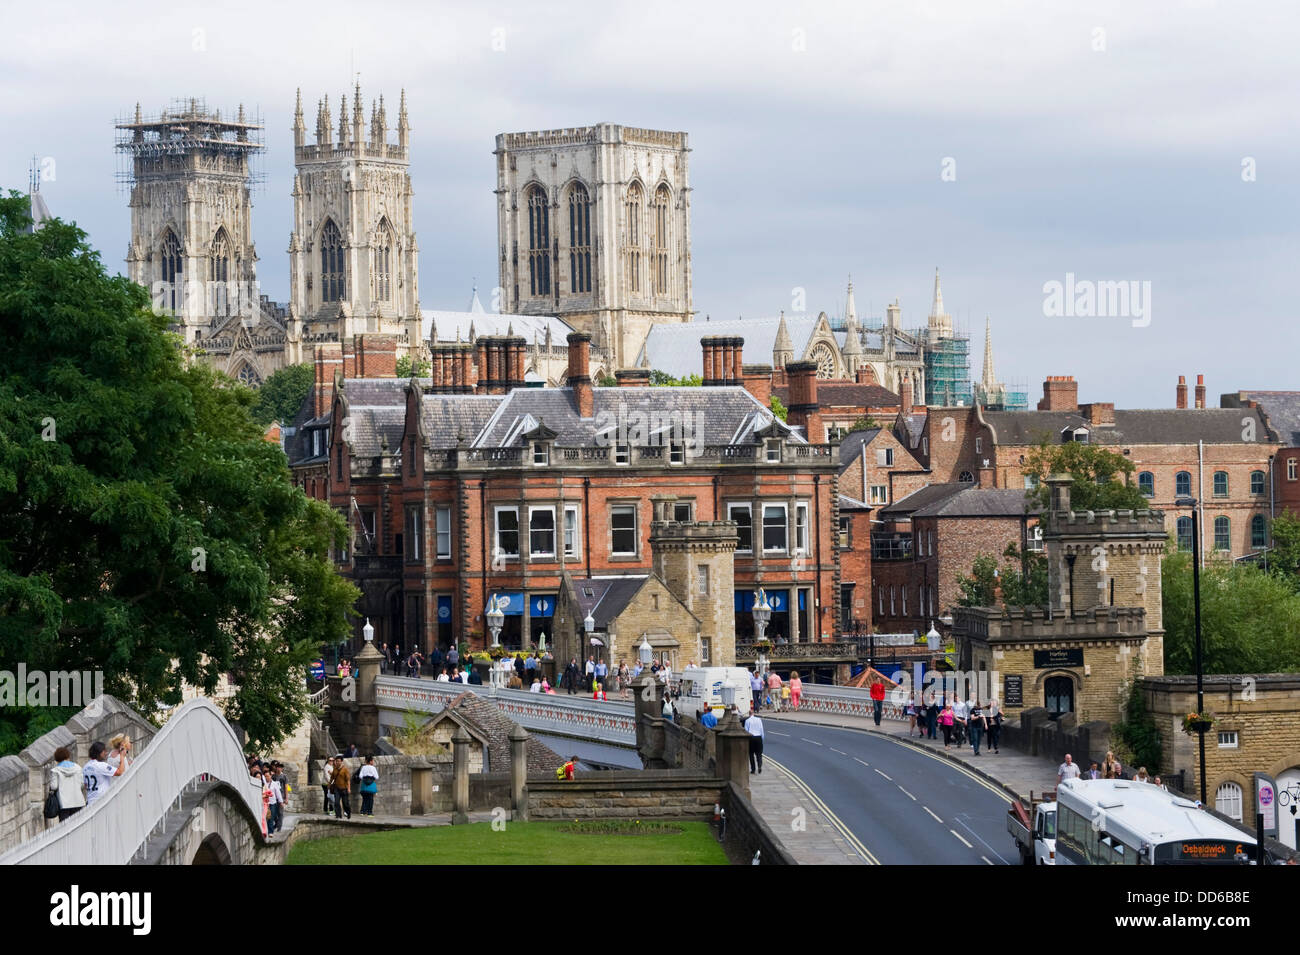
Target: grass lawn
x=520, y=843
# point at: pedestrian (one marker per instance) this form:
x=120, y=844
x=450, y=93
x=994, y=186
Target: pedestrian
x=796, y=690
x=669, y=712
x=66, y=783
x=97, y=774
x=754, y=727
x=259, y=776
x=521, y=671
x=590, y=670
x=279, y=784
x=353, y=752
x=756, y=688
x=774, y=690
x=1093, y=771
x=530, y=665
x=1110, y=766
x=909, y=710
x=960, y=711
x=121, y=753
x=568, y=768
x=932, y=718
x=327, y=774
x=474, y=679
x=453, y=656
x=341, y=786
x=1141, y=775
x=435, y=659
x=369, y=777
x=388, y=658
x=878, y=701
x=602, y=670
x=945, y=723
x=535, y=686
x=570, y=680
x=1067, y=770
x=994, y=716
x=976, y=723
x=707, y=719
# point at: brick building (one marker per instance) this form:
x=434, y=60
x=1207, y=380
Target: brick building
x=1220, y=456
x=855, y=565
x=468, y=485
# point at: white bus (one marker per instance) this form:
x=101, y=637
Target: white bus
x=1122, y=822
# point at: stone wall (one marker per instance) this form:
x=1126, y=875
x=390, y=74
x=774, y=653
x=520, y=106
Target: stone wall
x=1260, y=708
x=748, y=833
x=676, y=794
x=1036, y=734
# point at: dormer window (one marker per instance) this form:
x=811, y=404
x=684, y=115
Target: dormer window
x=1074, y=434
x=622, y=454
x=773, y=448
x=541, y=454
x=676, y=453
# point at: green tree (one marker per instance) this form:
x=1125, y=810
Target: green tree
x=664, y=380
x=1137, y=740
x=606, y=381
x=778, y=408
x=980, y=588
x=1022, y=579
x=1284, y=558
x=146, y=529
x=282, y=394
x=1101, y=477
x=407, y=368
x=1250, y=618
x=864, y=423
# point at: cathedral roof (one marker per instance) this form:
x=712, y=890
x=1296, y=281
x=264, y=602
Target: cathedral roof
x=675, y=349
x=454, y=326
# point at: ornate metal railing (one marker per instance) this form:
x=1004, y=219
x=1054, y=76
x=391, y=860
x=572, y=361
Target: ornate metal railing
x=839, y=650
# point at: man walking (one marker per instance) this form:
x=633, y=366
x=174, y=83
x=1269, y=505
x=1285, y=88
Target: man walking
x=341, y=784
x=877, y=701
x=754, y=727
x=1067, y=770
x=756, y=687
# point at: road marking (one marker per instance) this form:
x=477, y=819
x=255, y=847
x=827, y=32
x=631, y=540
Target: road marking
x=987, y=859
x=908, y=794
x=976, y=835
x=931, y=812
x=840, y=751
x=854, y=842
x=864, y=763
x=960, y=839
x=886, y=776
x=807, y=740
x=775, y=733
x=956, y=766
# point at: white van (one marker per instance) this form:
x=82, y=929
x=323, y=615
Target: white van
x=702, y=687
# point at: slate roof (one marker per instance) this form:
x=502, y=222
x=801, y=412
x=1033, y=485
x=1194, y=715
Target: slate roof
x=492, y=723
x=851, y=445
x=905, y=507
x=1282, y=409
x=447, y=418
x=978, y=502
x=853, y=504
x=605, y=597
x=847, y=393
x=1140, y=426
x=709, y=416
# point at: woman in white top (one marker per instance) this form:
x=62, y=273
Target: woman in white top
x=121, y=754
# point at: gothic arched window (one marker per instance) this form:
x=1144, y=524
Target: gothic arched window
x=632, y=235
x=333, y=284
x=661, y=238
x=173, y=267
x=219, y=272
x=383, y=254
x=579, y=239
x=248, y=375
x=539, y=242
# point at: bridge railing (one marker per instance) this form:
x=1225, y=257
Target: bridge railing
x=195, y=741
x=608, y=721
x=844, y=701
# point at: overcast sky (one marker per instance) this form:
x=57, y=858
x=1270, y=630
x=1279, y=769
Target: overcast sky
x=1109, y=140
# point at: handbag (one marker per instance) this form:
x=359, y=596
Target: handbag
x=52, y=805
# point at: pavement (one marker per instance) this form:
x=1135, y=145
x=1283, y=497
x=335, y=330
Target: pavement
x=803, y=827
x=1017, y=772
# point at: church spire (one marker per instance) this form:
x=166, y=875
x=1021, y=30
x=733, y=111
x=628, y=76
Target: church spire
x=343, y=120
x=299, y=127
x=936, y=309
x=403, y=125
x=358, y=117
x=940, y=322
x=783, y=347
x=988, y=380
x=851, y=308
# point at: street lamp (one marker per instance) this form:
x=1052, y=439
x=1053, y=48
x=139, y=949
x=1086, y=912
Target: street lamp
x=541, y=641
x=1190, y=502
x=645, y=652
x=762, y=614
x=368, y=631
x=495, y=618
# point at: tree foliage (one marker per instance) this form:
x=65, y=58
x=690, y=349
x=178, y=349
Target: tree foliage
x=1022, y=577
x=1102, y=478
x=864, y=423
x=1284, y=558
x=146, y=529
x=1136, y=739
x=283, y=393
x=409, y=368
x=778, y=408
x=664, y=380
x=1250, y=618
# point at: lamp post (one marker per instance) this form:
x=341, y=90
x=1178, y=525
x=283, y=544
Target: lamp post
x=644, y=653
x=1190, y=502
x=495, y=618
x=762, y=614
x=931, y=640
x=368, y=631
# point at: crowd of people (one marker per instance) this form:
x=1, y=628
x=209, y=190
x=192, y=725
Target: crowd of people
x=1110, y=768
x=960, y=722
x=73, y=788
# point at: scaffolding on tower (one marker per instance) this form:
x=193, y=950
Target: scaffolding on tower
x=188, y=138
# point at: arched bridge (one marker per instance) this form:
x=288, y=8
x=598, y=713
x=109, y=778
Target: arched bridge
x=186, y=798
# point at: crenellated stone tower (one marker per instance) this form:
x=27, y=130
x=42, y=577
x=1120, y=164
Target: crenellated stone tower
x=353, y=254
x=696, y=561
x=594, y=226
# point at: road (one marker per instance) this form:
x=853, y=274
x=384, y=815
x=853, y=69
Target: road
x=903, y=805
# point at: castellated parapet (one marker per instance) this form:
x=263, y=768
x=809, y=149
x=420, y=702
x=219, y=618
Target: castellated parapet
x=696, y=561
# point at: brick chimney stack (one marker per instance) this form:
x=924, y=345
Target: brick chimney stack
x=1200, y=391
x=736, y=372
x=708, y=348
x=580, y=373
x=804, y=409
x=1181, y=393
x=328, y=360
x=632, y=377
x=905, y=406
x=758, y=382
x=1060, y=393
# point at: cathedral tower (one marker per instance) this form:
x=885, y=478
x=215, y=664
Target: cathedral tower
x=191, y=213
x=593, y=226
x=352, y=255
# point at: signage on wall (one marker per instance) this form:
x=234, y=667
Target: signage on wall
x=1013, y=690
x=1266, y=802
x=1058, y=657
